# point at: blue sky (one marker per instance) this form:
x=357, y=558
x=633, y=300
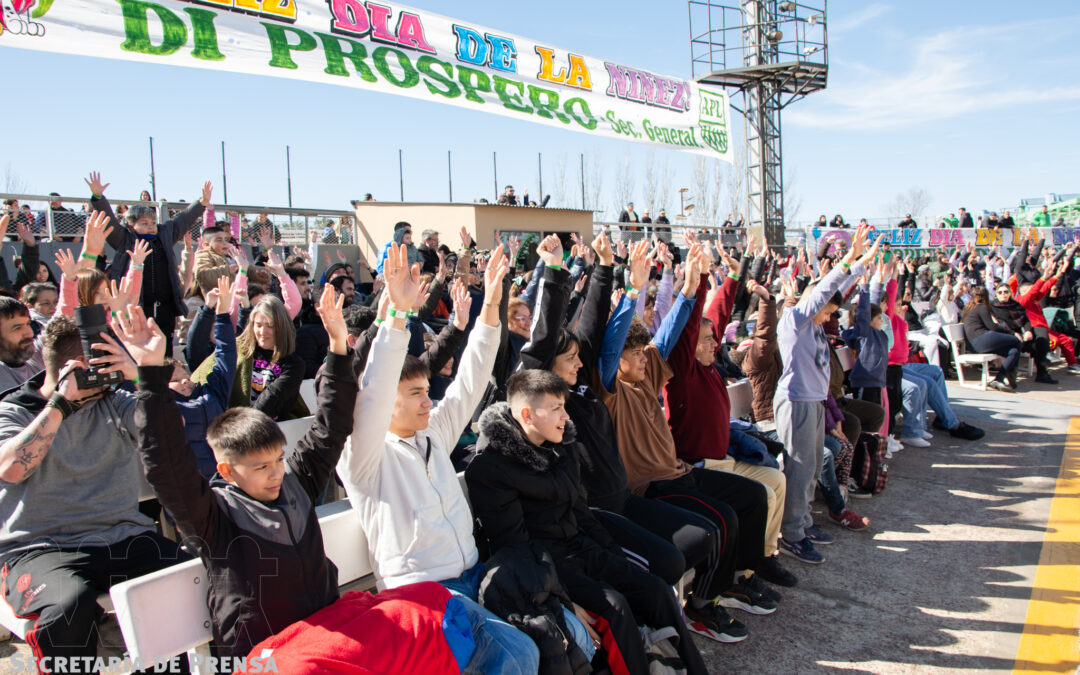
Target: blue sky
x=975, y=102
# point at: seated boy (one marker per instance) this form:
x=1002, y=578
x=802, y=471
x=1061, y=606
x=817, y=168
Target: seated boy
x=254, y=525
x=402, y=483
x=526, y=486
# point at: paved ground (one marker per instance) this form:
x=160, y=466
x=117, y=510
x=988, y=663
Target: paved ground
x=941, y=581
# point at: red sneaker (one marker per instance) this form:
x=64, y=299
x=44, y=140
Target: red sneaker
x=850, y=520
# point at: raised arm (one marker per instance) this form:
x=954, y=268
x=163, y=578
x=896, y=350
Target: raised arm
x=539, y=351
x=597, y=306
x=170, y=465
x=363, y=451
x=317, y=453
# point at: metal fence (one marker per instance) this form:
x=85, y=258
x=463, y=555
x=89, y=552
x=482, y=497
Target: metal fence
x=64, y=219
x=674, y=233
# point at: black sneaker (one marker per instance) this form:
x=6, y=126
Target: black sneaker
x=967, y=432
x=1044, y=378
x=938, y=424
x=758, y=585
x=742, y=596
x=715, y=623
x=772, y=571
x=999, y=385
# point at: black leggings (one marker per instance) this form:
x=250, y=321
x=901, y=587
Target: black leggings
x=667, y=540
x=862, y=415
x=1002, y=344
x=894, y=375
x=1042, y=348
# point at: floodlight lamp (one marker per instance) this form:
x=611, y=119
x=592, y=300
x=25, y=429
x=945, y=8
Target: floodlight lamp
x=810, y=50
x=816, y=18
x=787, y=7
x=774, y=36
x=684, y=189
x=689, y=207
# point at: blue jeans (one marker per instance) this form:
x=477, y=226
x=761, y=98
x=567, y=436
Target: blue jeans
x=501, y=648
x=937, y=394
x=830, y=487
x=913, y=392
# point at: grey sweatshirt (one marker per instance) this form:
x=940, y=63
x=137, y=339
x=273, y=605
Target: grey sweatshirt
x=86, y=490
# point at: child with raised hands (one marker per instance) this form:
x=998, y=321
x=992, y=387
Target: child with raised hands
x=253, y=523
x=397, y=471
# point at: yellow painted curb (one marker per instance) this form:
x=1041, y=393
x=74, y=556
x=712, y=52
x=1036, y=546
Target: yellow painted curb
x=1051, y=639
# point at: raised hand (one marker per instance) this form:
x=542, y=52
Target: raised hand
x=421, y=296
x=266, y=237
x=22, y=228
x=621, y=247
x=66, y=262
x=550, y=249
x=139, y=252
x=696, y=265
x=459, y=293
x=187, y=240
x=94, y=183
x=341, y=256
x=872, y=253
x=639, y=265
x=602, y=246
x=97, y=231
x=664, y=254
x=140, y=336
x=402, y=281
x=118, y=298
x=732, y=264
x=329, y=309
x=274, y=264
x=580, y=285
x=242, y=297
x=207, y=190
x=224, y=293
x=757, y=289
x=514, y=244
x=493, y=280
x=466, y=238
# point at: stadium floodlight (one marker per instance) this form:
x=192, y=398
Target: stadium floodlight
x=774, y=36
x=816, y=18
x=787, y=7
x=810, y=50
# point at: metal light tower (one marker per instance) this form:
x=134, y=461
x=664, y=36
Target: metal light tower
x=775, y=53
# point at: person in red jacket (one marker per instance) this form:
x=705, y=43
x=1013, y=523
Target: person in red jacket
x=1030, y=296
x=698, y=408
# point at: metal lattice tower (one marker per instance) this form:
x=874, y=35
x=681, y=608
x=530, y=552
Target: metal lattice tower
x=775, y=53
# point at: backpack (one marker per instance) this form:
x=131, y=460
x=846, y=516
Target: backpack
x=869, y=469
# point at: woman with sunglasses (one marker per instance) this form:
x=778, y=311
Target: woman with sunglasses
x=986, y=335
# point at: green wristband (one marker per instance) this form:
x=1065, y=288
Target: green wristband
x=554, y=267
x=399, y=314
x=733, y=276
x=88, y=256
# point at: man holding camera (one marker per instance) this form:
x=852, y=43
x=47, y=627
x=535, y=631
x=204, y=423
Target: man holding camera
x=70, y=525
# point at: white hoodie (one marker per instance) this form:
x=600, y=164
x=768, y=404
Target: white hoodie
x=416, y=518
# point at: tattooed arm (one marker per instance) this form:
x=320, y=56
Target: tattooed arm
x=21, y=454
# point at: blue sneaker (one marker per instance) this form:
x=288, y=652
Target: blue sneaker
x=819, y=536
x=803, y=550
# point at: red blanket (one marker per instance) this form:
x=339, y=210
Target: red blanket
x=397, y=631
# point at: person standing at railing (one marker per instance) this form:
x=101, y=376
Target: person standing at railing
x=162, y=293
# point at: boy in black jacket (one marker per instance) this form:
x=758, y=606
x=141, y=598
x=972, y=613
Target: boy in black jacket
x=254, y=523
x=525, y=485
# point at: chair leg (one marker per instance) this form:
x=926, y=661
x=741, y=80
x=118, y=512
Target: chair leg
x=985, y=376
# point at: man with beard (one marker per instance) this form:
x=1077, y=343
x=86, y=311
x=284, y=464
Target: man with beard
x=20, y=359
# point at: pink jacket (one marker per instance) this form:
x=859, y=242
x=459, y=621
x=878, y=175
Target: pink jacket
x=898, y=355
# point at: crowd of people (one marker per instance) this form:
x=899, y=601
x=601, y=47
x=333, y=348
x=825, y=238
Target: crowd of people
x=963, y=219
x=537, y=454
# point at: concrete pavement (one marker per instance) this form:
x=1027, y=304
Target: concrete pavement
x=941, y=580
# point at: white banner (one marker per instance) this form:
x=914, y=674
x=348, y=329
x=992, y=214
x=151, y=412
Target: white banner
x=387, y=48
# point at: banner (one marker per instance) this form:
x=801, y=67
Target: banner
x=386, y=48
x=934, y=238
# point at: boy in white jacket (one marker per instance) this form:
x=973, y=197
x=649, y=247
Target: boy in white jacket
x=402, y=484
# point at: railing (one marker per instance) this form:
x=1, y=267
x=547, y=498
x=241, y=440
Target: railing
x=675, y=233
x=294, y=226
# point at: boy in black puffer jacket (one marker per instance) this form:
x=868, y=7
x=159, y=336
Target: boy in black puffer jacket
x=525, y=485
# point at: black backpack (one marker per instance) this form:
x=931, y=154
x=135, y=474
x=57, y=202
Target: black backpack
x=869, y=468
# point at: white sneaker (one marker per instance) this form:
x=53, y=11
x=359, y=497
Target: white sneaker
x=929, y=436
x=916, y=442
x=894, y=445
x=1075, y=367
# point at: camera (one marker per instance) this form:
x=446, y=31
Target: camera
x=90, y=320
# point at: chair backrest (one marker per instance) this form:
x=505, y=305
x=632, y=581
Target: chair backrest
x=164, y=613
x=294, y=430
x=846, y=356
x=955, y=333
x=921, y=307
x=307, y=393
x=741, y=395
